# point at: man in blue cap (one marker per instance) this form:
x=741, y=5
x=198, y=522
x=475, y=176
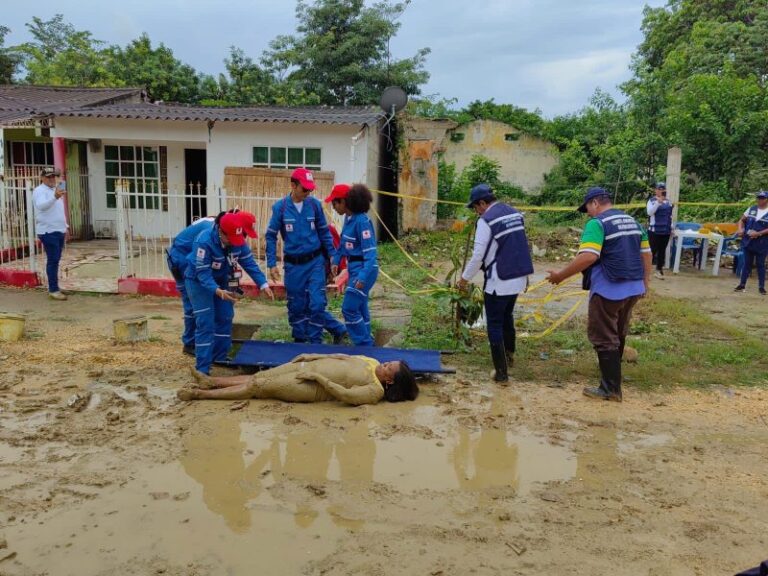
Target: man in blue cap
x=753, y=229
x=615, y=259
x=501, y=252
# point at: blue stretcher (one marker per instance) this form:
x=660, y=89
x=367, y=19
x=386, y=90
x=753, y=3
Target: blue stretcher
x=264, y=354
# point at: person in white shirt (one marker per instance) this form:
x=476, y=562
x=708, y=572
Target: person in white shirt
x=501, y=251
x=51, y=226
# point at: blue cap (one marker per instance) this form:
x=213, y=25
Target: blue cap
x=479, y=192
x=661, y=185
x=591, y=194
x=762, y=194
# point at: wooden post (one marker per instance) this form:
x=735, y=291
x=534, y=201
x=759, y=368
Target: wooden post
x=674, y=164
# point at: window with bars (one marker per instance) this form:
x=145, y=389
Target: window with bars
x=285, y=157
x=27, y=156
x=137, y=170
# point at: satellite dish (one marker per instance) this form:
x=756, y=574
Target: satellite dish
x=393, y=99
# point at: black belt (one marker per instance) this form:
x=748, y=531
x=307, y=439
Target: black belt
x=355, y=258
x=302, y=258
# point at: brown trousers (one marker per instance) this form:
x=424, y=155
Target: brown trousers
x=608, y=322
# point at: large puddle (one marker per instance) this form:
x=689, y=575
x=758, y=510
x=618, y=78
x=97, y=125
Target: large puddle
x=224, y=502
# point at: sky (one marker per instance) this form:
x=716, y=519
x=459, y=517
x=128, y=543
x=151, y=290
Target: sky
x=545, y=54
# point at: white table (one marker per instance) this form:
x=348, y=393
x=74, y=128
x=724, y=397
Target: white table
x=707, y=238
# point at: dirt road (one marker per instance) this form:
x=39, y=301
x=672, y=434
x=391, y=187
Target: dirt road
x=103, y=472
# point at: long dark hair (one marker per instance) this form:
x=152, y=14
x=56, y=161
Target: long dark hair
x=403, y=386
x=359, y=199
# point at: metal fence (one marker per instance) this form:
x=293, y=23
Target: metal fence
x=145, y=222
x=148, y=221
x=17, y=230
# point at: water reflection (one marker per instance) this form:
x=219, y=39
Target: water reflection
x=214, y=456
x=235, y=461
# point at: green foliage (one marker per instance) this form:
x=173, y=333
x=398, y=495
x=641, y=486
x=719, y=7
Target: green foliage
x=61, y=55
x=164, y=77
x=341, y=52
x=457, y=188
x=9, y=60
x=435, y=107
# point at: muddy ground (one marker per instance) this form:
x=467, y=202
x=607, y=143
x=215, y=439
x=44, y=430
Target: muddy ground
x=103, y=472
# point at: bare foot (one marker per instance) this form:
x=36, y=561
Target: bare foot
x=203, y=380
x=186, y=394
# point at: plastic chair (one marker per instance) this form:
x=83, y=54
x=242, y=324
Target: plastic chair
x=688, y=243
x=732, y=247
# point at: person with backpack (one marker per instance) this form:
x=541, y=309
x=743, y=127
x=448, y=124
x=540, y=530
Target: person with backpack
x=301, y=223
x=501, y=251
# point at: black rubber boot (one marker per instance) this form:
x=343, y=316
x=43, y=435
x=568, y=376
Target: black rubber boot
x=610, y=377
x=499, y=357
x=509, y=348
x=189, y=350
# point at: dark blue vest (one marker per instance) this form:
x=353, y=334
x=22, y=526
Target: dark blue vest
x=759, y=245
x=513, y=258
x=662, y=221
x=620, y=256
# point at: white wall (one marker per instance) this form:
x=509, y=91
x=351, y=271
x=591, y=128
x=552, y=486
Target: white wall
x=231, y=144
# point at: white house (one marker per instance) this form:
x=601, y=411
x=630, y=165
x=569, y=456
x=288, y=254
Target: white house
x=182, y=149
x=114, y=139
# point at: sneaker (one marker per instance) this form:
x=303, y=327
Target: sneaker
x=659, y=275
x=57, y=296
x=739, y=288
x=189, y=350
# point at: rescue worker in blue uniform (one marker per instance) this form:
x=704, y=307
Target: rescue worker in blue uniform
x=501, y=251
x=176, y=257
x=301, y=223
x=358, y=245
x=212, y=278
x=753, y=229
x=615, y=260
x=659, y=211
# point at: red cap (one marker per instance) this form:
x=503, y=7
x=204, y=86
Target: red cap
x=249, y=224
x=305, y=178
x=232, y=226
x=339, y=192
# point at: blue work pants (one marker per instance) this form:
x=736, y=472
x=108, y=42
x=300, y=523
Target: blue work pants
x=500, y=320
x=355, y=307
x=305, y=291
x=751, y=259
x=213, y=326
x=53, y=244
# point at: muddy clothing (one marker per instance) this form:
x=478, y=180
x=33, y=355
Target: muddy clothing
x=348, y=379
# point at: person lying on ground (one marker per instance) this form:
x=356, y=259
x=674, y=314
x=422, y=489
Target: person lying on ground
x=354, y=380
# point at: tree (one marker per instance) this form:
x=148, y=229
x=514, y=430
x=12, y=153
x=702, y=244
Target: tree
x=341, y=52
x=61, y=55
x=721, y=123
x=9, y=61
x=164, y=77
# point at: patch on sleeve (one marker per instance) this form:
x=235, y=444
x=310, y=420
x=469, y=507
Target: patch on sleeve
x=349, y=245
x=201, y=252
x=366, y=234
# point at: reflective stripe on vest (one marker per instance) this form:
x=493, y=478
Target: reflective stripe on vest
x=513, y=258
x=759, y=245
x=620, y=256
